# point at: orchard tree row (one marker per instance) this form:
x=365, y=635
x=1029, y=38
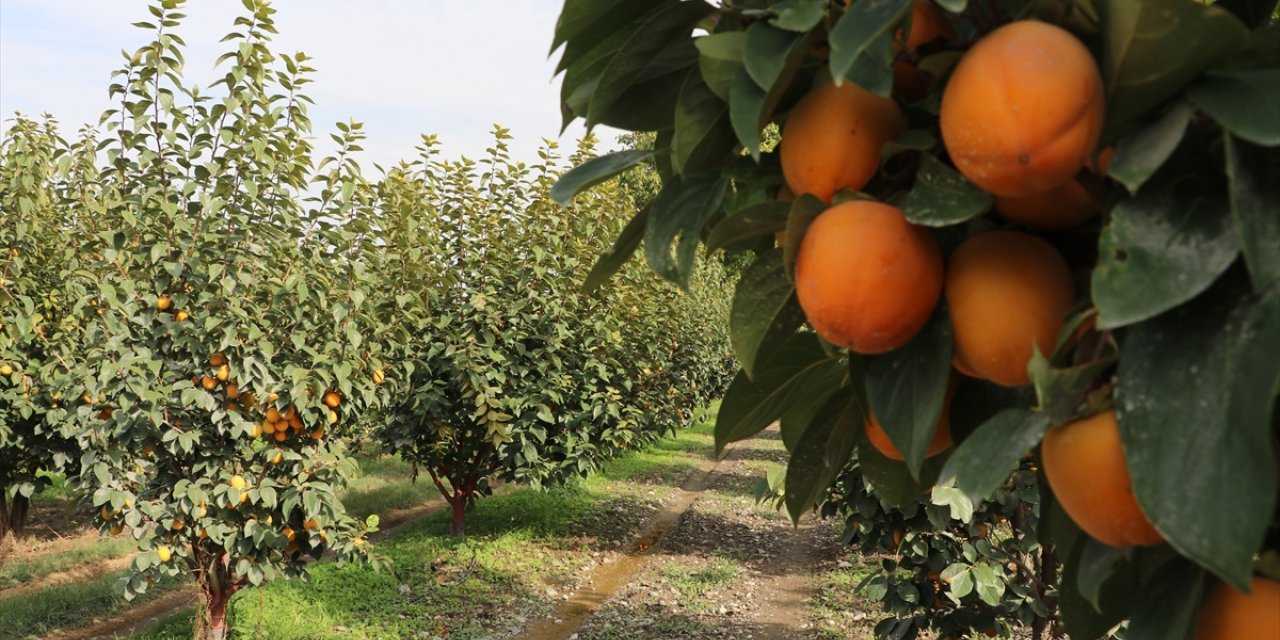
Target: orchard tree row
x=197, y=313
x=1013, y=287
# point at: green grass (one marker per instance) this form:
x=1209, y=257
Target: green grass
x=36, y=614
x=23, y=570
x=837, y=596
x=522, y=540
x=383, y=486
x=695, y=582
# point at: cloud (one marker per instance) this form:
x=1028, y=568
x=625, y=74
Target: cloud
x=448, y=67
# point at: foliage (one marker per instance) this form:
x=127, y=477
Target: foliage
x=513, y=372
x=1182, y=297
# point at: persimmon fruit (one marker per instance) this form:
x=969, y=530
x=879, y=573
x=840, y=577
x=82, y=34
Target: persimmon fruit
x=866, y=278
x=1228, y=614
x=832, y=139
x=1087, y=471
x=1007, y=292
x=1023, y=109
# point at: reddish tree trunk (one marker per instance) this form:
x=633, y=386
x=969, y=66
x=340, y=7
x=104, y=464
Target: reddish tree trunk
x=458, y=526
x=13, y=515
x=216, y=625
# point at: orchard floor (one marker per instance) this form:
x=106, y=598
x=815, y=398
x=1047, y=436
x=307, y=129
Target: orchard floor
x=664, y=544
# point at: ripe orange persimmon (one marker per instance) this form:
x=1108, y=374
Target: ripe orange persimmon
x=927, y=24
x=217, y=359
x=941, y=436
x=1061, y=207
x=1023, y=109
x=1085, y=464
x=331, y=399
x=1006, y=291
x=866, y=278
x=1228, y=614
x=832, y=139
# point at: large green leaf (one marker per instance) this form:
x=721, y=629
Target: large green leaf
x=1140, y=153
x=1255, y=208
x=1064, y=392
x=764, y=313
x=1167, y=605
x=720, y=59
x=703, y=135
x=907, y=386
x=1152, y=48
x=859, y=28
x=748, y=225
x=583, y=24
x=804, y=210
x=800, y=367
x=595, y=171
x=798, y=15
x=890, y=479
x=1196, y=387
x=747, y=111
x=873, y=70
x=1081, y=618
x=659, y=47
x=619, y=254
x=766, y=52
x=1160, y=250
x=1254, y=13
x=942, y=197
x=984, y=460
x=821, y=453
x=1245, y=102
x=677, y=216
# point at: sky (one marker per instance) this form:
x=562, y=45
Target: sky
x=403, y=67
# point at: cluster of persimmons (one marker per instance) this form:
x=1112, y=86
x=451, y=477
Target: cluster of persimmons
x=1021, y=116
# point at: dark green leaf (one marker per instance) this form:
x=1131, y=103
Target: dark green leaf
x=1196, y=387
x=767, y=51
x=1063, y=392
x=799, y=15
x=942, y=197
x=1167, y=604
x=584, y=23
x=1254, y=13
x=1160, y=250
x=765, y=311
x=1082, y=620
x=1255, y=207
x=659, y=47
x=984, y=460
x=749, y=406
x=623, y=247
x=859, y=27
x=677, y=216
x=821, y=453
x=720, y=60
x=873, y=70
x=1152, y=49
x=804, y=210
x=891, y=480
x=1246, y=103
x=801, y=411
x=1098, y=562
x=703, y=135
x=595, y=171
x=907, y=386
x=746, y=111
x=748, y=225
x=909, y=140
x=1139, y=154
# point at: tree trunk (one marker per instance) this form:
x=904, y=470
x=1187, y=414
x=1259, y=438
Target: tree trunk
x=215, y=627
x=16, y=518
x=458, y=526
x=4, y=513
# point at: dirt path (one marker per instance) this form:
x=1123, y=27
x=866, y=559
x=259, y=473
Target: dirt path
x=727, y=569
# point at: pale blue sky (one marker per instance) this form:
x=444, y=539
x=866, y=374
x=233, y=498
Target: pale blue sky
x=403, y=67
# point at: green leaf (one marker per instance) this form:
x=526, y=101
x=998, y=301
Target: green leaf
x=942, y=197
x=1255, y=208
x=984, y=460
x=1098, y=563
x=1063, y=393
x=750, y=405
x=804, y=210
x=1160, y=250
x=704, y=135
x=585, y=23
x=890, y=479
x=907, y=388
x=873, y=70
x=798, y=15
x=764, y=313
x=677, y=216
x=659, y=47
x=1151, y=50
x=989, y=586
x=1142, y=152
x=766, y=52
x=748, y=225
x=859, y=27
x=1196, y=386
x=595, y=171
x=1167, y=604
x=909, y=140
x=719, y=60
x=1082, y=620
x=821, y=453
x=959, y=505
x=746, y=111
x=1245, y=102
x=1254, y=13
x=619, y=254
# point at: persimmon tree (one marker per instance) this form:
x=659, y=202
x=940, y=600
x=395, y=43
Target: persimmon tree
x=228, y=335
x=1048, y=205
x=514, y=374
